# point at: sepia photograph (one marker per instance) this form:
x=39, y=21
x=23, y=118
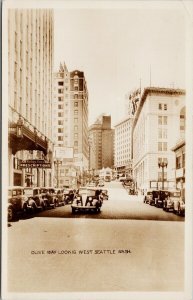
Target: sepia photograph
x=97, y=162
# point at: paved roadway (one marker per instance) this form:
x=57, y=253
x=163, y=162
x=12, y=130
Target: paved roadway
x=119, y=206
x=45, y=252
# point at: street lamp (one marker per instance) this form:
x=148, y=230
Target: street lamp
x=57, y=163
x=162, y=165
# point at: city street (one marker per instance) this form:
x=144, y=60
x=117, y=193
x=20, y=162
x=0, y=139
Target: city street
x=130, y=239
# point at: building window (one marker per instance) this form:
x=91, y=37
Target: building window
x=61, y=83
x=60, y=91
x=60, y=122
x=76, y=88
x=60, y=98
x=76, y=104
x=60, y=138
x=76, y=112
x=162, y=133
x=60, y=114
x=162, y=120
x=60, y=130
x=75, y=128
x=165, y=107
x=182, y=122
x=162, y=146
x=178, y=162
x=160, y=106
x=75, y=143
x=60, y=106
x=75, y=121
x=76, y=135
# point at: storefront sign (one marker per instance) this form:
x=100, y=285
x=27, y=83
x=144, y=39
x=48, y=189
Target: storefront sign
x=35, y=163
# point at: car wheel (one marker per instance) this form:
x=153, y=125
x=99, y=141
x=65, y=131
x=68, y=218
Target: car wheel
x=10, y=214
x=24, y=211
x=73, y=210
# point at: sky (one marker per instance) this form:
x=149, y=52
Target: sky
x=118, y=48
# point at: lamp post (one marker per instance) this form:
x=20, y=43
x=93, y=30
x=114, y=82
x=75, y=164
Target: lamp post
x=57, y=163
x=162, y=165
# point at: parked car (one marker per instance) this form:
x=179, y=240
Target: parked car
x=181, y=207
x=29, y=193
x=40, y=197
x=154, y=197
x=178, y=202
x=159, y=200
x=17, y=203
x=51, y=196
x=168, y=203
x=87, y=200
x=60, y=196
x=148, y=196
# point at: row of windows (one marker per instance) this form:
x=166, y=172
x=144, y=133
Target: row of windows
x=162, y=133
x=162, y=120
x=162, y=106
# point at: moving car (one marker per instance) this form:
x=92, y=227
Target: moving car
x=87, y=200
x=69, y=196
x=101, y=183
x=17, y=203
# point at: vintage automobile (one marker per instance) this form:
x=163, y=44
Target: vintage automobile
x=104, y=193
x=173, y=197
x=178, y=202
x=40, y=197
x=161, y=196
x=69, y=196
x=18, y=204
x=181, y=207
x=52, y=200
x=101, y=183
x=87, y=200
x=60, y=196
x=29, y=193
x=148, y=196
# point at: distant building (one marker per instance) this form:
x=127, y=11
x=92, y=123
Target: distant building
x=70, y=120
x=30, y=69
x=158, y=123
x=101, y=144
x=123, y=146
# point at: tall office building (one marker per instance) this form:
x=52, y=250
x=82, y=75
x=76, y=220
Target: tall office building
x=101, y=144
x=70, y=120
x=123, y=146
x=30, y=68
x=158, y=123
